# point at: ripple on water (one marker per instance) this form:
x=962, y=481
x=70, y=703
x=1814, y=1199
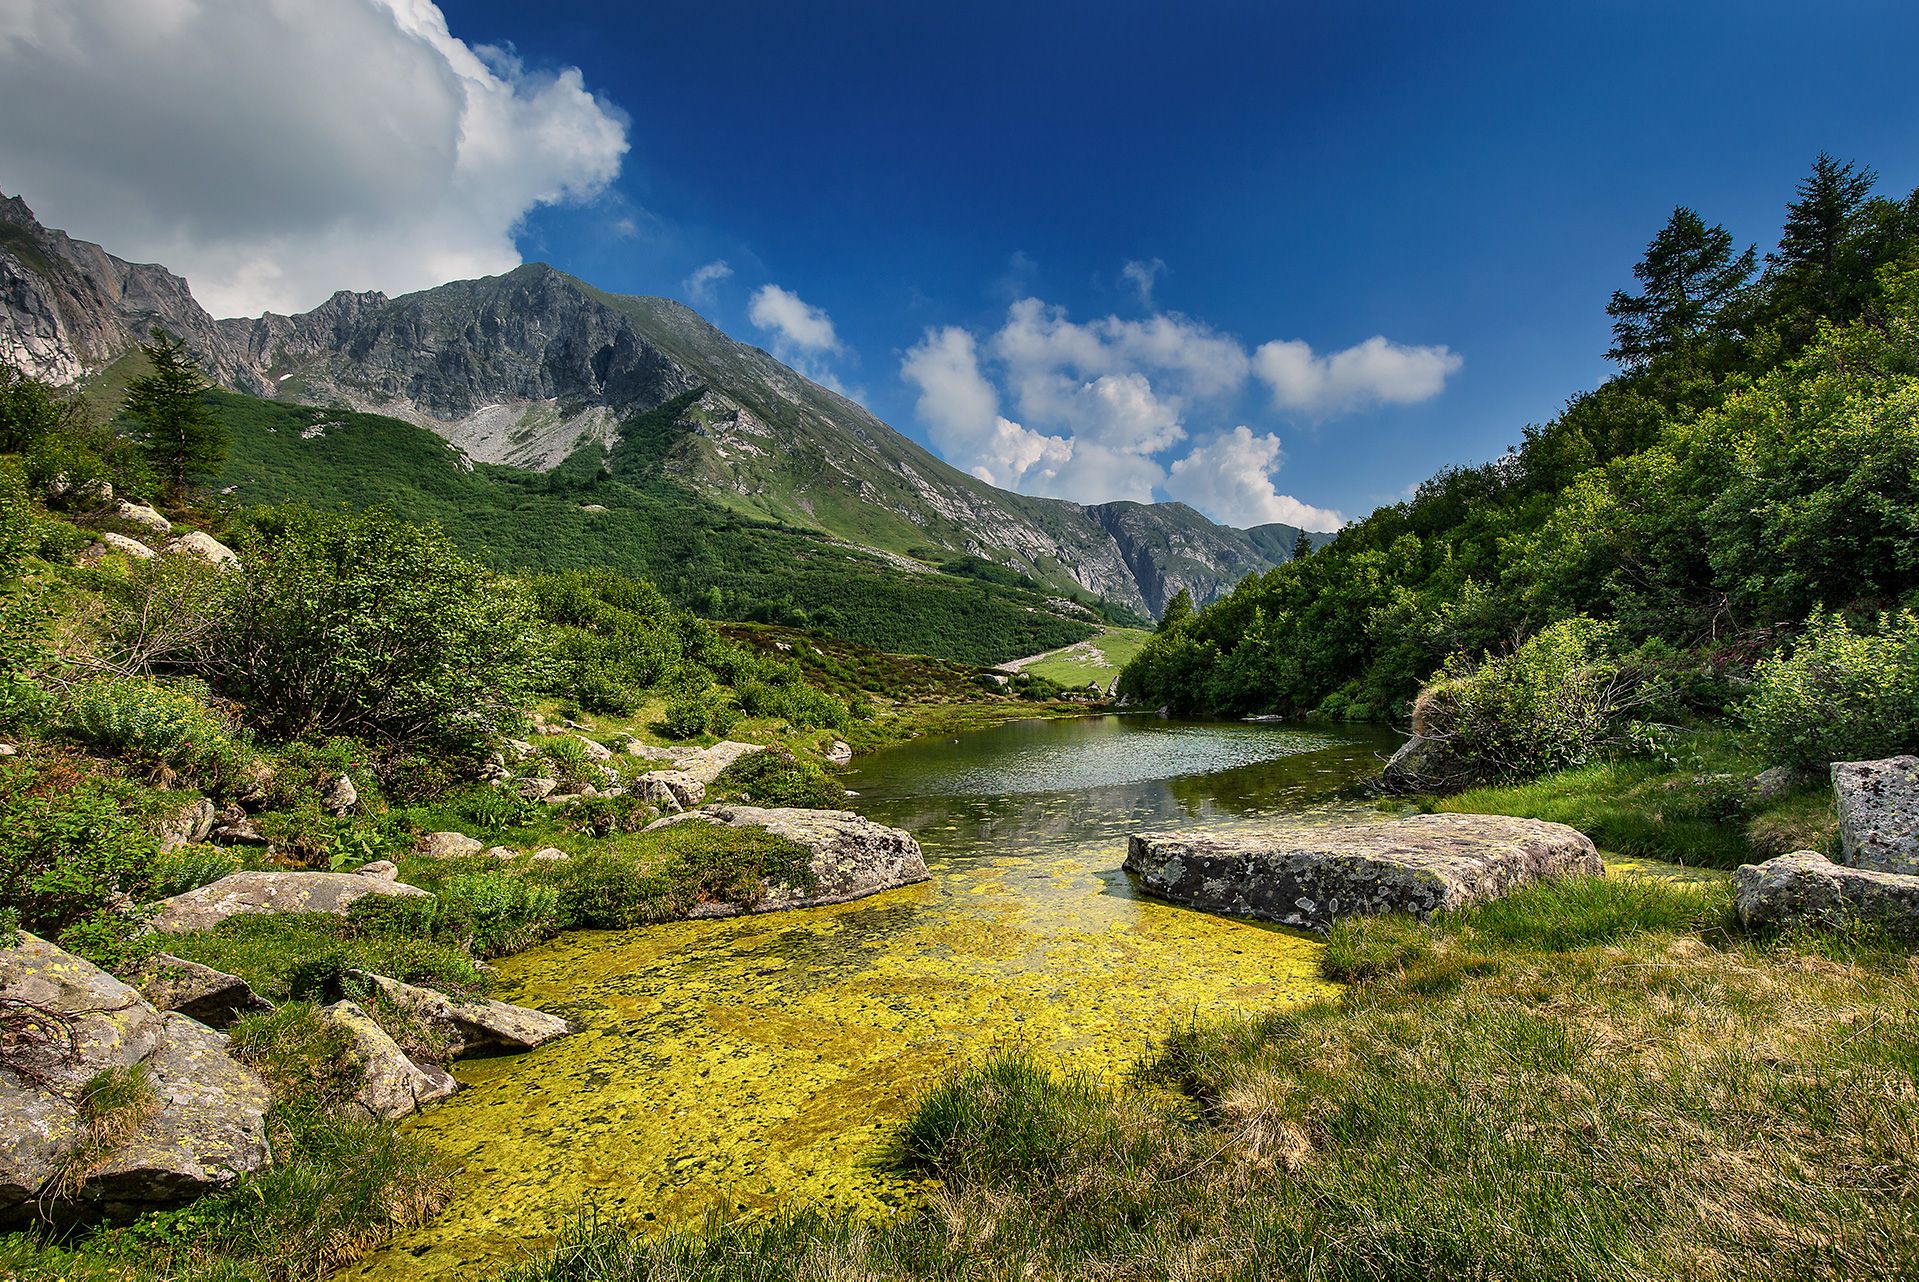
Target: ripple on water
x=756, y=1062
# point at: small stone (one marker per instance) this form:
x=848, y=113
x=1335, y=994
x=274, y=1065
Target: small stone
x=470, y=1024
x=193, y=822
x=203, y=545
x=840, y=753
x=501, y=852
x=342, y=796
x=595, y=750
x=384, y=869
x=111, y=542
x=142, y=515
x=549, y=855
x=535, y=789
x=392, y=1085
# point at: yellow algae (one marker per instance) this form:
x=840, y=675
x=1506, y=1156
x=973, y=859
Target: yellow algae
x=762, y=1062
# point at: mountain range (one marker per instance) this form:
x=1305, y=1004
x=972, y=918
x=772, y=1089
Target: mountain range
x=534, y=368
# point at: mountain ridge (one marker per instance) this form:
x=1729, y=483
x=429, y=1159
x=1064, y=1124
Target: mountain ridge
x=530, y=367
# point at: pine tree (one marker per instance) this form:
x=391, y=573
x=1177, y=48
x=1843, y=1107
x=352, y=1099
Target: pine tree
x=1177, y=611
x=171, y=420
x=1690, y=275
x=1302, y=546
x=1812, y=270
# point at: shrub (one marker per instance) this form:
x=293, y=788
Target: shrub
x=1557, y=701
x=695, y=713
x=499, y=912
x=362, y=624
x=189, y=867
x=1838, y=695
x=71, y=845
x=163, y=731
x=777, y=778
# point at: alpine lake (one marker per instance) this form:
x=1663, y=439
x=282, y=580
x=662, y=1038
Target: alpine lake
x=760, y=1062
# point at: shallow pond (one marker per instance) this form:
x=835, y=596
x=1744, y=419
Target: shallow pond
x=763, y=1061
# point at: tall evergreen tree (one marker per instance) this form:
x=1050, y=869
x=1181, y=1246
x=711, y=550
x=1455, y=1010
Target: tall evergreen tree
x=171, y=419
x=1689, y=276
x=1813, y=270
x=1177, y=611
x=1302, y=546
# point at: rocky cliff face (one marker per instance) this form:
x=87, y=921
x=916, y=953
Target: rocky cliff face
x=529, y=367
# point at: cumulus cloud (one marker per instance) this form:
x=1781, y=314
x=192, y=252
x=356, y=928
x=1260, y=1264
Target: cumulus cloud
x=1143, y=275
x=273, y=151
x=1106, y=408
x=792, y=321
x=1230, y=477
x=1377, y=371
x=701, y=284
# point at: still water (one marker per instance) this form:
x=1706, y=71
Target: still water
x=759, y=1062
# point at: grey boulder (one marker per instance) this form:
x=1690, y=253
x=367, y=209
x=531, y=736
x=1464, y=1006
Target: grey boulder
x=203, y=545
x=391, y=1086
x=73, y=1022
x=240, y=893
x=852, y=856
x=1314, y=876
x=1878, y=805
x=212, y=997
x=470, y=1025
x=449, y=845
x=1805, y=889
x=192, y=822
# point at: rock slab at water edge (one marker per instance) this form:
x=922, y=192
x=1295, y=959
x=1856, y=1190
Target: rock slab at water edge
x=852, y=856
x=70, y=1021
x=470, y=1025
x=1313, y=876
x=1807, y=889
x=1878, y=805
x=391, y=1085
x=238, y=893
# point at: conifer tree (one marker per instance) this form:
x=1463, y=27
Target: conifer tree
x=171, y=420
x=1812, y=270
x=1690, y=276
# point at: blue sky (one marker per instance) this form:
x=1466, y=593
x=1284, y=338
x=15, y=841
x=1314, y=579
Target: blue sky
x=1469, y=178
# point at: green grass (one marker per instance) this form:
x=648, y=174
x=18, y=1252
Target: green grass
x=1587, y=1081
x=1699, y=812
x=1096, y=659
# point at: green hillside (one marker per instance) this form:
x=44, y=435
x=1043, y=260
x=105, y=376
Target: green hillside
x=624, y=514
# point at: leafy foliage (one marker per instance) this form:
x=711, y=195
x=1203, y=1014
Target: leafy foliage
x=777, y=778
x=1839, y=695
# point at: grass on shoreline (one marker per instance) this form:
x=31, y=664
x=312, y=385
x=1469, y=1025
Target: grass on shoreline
x=1591, y=1080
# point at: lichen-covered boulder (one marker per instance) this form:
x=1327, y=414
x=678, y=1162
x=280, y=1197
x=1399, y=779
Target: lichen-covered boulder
x=239, y=893
x=671, y=790
x=68, y=1022
x=142, y=515
x=705, y=764
x=212, y=997
x=392, y=1086
x=449, y=845
x=1878, y=805
x=852, y=856
x=1806, y=889
x=203, y=545
x=111, y=542
x=1314, y=876
x=470, y=1025
x=192, y=822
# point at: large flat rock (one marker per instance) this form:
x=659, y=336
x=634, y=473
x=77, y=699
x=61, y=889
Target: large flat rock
x=72, y=1021
x=270, y=892
x=852, y=856
x=471, y=1025
x=1313, y=876
x=1805, y=889
x=1878, y=804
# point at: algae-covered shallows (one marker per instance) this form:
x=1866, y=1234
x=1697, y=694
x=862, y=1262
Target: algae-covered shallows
x=763, y=1061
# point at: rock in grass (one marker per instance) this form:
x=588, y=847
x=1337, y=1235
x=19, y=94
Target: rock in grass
x=142, y=515
x=1805, y=889
x=470, y=1025
x=1314, y=876
x=212, y=997
x=203, y=545
x=192, y=822
x=239, y=893
x=111, y=542
x=384, y=869
x=392, y=1086
x=852, y=856
x=69, y=1021
x=1878, y=805
x=840, y=753
x=671, y=790
x=449, y=845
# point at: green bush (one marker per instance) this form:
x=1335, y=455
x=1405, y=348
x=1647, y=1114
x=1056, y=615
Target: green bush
x=362, y=624
x=778, y=778
x=189, y=867
x=1838, y=695
x=72, y=845
x=696, y=713
x=499, y=912
x=163, y=731
x=1557, y=701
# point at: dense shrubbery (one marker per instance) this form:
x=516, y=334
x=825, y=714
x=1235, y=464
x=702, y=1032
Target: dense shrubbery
x=777, y=778
x=1753, y=460
x=1839, y=695
x=72, y=845
x=169, y=733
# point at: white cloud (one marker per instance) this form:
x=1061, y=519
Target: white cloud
x=1230, y=477
x=961, y=410
x=700, y=285
x=792, y=320
x=1377, y=371
x=273, y=151
x=1143, y=275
